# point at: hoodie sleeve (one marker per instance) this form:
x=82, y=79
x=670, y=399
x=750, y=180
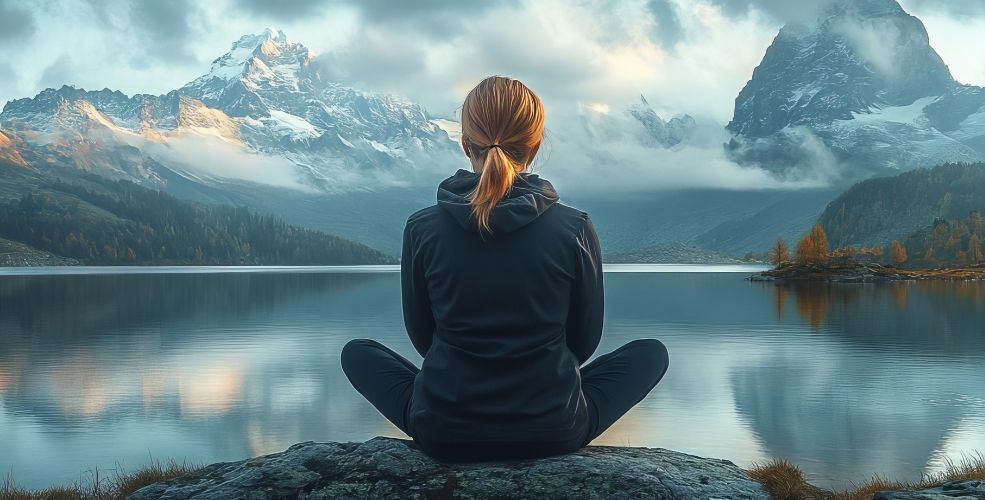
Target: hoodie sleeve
x=418, y=317
x=584, y=326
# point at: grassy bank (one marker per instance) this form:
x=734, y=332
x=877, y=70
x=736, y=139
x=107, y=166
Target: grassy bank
x=100, y=486
x=785, y=481
x=781, y=479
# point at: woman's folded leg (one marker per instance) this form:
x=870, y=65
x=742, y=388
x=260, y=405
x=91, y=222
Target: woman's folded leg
x=615, y=382
x=383, y=377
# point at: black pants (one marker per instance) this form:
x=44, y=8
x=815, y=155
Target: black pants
x=612, y=383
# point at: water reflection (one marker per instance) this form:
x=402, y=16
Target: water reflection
x=929, y=315
x=100, y=370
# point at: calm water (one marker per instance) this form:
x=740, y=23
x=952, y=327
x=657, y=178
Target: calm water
x=108, y=370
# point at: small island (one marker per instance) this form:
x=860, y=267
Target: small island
x=813, y=261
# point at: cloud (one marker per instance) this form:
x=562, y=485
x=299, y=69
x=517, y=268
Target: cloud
x=669, y=31
x=875, y=41
x=590, y=151
x=956, y=8
x=802, y=10
x=61, y=72
x=164, y=26
x=430, y=18
x=780, y=10
x=284, y=10
x=214, y=158
x=16, y=21
x=7, y=74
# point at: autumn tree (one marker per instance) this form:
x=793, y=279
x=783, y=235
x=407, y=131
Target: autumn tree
x=813, y=248
x=899, y=252
x=975, y=250
x=780, y=253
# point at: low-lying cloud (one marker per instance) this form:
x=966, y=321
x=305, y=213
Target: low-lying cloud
x=609, y=156
x=215, y=159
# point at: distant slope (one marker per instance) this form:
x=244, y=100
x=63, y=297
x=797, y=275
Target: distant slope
x=877, y=211
x=670, y=253
x=727, y=222
x=16, y=254
x=99, y=221
x=788, y=218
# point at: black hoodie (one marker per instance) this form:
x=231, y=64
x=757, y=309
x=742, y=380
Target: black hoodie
x=503, y=320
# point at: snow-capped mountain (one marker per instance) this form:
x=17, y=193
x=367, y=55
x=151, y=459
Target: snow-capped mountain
x=283, y=106
x=860, y=88
x=639, y=122
x=262, y=97
x=660, y=132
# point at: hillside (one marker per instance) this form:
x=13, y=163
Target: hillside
x=947, y=242
x=15, y=254
x=103, y=222
x=671, y=253
x=877, y=211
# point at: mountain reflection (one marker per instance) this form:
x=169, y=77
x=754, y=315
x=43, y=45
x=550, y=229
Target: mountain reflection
x=898, y=374
x=203, y=366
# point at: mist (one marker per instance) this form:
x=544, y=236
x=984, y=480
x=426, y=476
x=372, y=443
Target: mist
x=212, y=158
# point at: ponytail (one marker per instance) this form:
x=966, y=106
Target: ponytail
x=503, y=124
x=498, y=172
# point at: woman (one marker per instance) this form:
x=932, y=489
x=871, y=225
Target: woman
x=502, y=295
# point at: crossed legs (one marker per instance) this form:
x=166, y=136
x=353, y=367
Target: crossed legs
x=612, y=383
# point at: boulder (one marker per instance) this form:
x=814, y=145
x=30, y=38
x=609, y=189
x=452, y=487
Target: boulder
x=393, y=468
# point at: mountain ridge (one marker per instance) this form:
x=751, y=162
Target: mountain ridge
x=864, y=82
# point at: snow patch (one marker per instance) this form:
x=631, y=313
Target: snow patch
x=910, y=115
x=288, y=124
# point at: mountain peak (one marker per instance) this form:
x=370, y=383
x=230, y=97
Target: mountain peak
x=858, y=55
x=271, y=46
x=275, y=34
x=866, y=9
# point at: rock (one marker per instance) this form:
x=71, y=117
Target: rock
x=393, y=468
x=972, y=489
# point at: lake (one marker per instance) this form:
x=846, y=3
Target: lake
x=114, y=368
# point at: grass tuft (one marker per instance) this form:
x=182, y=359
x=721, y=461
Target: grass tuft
x=117, y=487
x=785, y=481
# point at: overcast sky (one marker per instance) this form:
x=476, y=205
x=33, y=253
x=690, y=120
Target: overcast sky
x=685, y=55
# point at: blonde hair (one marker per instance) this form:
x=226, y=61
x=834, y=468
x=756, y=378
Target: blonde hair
x=502, y=124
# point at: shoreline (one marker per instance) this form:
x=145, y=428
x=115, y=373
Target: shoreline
x=865, y=273
x=361, y=268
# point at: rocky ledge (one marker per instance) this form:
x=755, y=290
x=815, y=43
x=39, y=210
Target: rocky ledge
x=393, y=468
x=968, y=490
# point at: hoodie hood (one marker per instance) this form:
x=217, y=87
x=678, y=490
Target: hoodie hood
x=529, y=197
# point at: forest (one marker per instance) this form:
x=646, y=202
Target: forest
x=877, y=211
x=122, y=223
